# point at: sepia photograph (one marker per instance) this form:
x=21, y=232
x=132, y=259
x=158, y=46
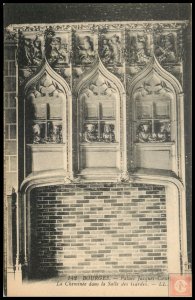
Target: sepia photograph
x=97, y=149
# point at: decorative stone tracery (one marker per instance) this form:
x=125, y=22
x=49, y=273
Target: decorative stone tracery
x=47, y=108
x=101, y=123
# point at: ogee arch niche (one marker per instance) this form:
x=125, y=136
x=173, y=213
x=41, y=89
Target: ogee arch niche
x=156, y=123
x=100, y=101
x=47, y=123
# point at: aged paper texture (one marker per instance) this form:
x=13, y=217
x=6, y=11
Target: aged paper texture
x=97, y=192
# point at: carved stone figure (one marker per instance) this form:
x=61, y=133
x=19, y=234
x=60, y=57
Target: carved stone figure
x=85, y=49
x=36, y=134
x=90, y=134
x=144, y=132
x=115, y=47
x=36, y=51
x=106, y=54
x=140, y=51
x=166, y=48
x=111, y=50
x=30, y=52
x=57, y=51
x=163, y=135
x=108, y=134
x=55, y=135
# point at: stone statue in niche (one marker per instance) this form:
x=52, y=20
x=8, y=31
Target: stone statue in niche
x=111, y=50
x=163, y=132
x=30, y=51
x=36, y=134
x=55, y=133
x=57, y=52
x=165, y=48
x=144, y=132
x=108, y=134
x=90, y=133
x=106, y=54
x=85, y=50
x=140, y=48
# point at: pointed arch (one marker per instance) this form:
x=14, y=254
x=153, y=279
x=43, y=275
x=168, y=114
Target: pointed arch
x=98, y=66
x=154, y=66
x=167, y=88
x=46, y=69
x=51, y=93
x=99, y=82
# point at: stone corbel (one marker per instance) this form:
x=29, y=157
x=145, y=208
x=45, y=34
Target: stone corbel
x=124, y=177
x=67, y=180
x=71, y=179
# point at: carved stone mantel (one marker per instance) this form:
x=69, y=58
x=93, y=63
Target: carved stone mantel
x=73, y=76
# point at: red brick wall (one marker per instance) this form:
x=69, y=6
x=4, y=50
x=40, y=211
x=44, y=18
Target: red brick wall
x=98, y=228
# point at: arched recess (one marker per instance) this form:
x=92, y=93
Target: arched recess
x=160, y=159
x=101, y=124
x=156, y=96
x=47, y=159
x=47, y=124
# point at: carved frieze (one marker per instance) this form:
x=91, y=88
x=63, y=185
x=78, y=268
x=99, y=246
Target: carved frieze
x=110, y=48
x=138, y=25
x=84, y=48
x=166, y=49
x=140, y=47
x=30, y=49
x=79, y=44
x=159, y=27
x=57, y=47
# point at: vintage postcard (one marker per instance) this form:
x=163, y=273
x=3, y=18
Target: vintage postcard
x=97, y=194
